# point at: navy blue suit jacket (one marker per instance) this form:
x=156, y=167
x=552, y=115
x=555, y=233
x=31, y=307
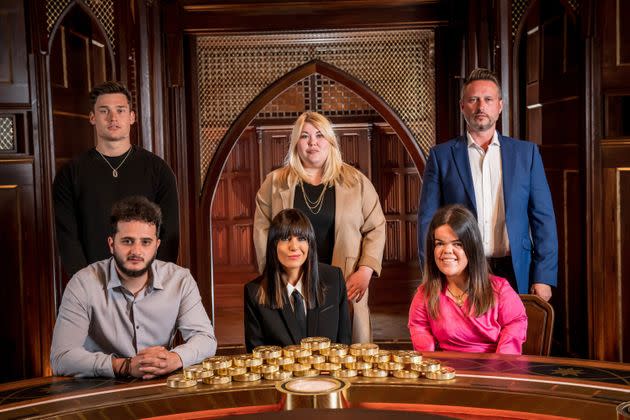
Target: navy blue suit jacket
x=529, y=215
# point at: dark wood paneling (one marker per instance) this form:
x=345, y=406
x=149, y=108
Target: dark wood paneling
x=14, y=87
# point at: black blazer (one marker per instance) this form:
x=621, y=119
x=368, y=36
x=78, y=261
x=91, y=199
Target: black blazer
x=266, y=326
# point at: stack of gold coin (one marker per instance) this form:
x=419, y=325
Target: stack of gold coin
x=180, y=381
x=313, y=356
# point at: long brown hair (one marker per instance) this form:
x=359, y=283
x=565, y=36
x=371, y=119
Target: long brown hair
x=480, y=292
x=273, y=289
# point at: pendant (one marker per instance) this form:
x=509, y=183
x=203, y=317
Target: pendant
x=115, y=173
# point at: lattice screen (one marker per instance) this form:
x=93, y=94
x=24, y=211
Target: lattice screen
x=233, y=69
x=7, y=133
x=102, y=9
x=519, y=7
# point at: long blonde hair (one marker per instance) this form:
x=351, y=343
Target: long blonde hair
x=334, y=170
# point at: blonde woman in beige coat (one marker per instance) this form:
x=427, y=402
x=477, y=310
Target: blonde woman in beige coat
x=341, y=203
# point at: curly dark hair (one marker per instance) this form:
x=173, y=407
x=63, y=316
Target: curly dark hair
x=136, y=208
x=109, y=87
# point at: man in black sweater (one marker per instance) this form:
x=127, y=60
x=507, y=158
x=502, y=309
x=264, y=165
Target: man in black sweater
x=85, y=189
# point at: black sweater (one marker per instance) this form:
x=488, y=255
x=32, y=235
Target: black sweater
x=84, y=192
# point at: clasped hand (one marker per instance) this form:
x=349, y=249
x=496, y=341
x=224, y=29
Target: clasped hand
x=153, y=362
x=358, y=282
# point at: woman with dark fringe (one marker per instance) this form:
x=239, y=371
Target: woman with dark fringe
x=295, y=297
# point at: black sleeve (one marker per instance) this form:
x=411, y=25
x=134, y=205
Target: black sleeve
x=66, y=224
x=344, y=334
x=253, y=330
x=166, y=197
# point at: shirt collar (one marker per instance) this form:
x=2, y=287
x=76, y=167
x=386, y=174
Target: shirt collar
x=154, y=280
x=298, y=287
x=493, y=142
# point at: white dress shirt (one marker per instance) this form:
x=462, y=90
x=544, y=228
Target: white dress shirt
x=487, y=175
x=298, y=287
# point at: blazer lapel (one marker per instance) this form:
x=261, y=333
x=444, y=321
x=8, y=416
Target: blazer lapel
x=462, y=162
x=291, y=323
x=508, y=168
x=286, y=197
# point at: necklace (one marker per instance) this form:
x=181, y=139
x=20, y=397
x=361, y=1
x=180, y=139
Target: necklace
x=459, y=299
x=115, y=170
x=314, y=206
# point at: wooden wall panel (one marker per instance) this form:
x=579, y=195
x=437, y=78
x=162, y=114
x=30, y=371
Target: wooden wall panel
x=14, y=86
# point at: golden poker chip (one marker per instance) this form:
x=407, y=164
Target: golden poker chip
x=180, y=381
x=312, y=359
x=315, y=343
x=374, y=373
x=247, y=377
x=236, y=370
x=193, y=371
x=222, y=372
x=363, y=349
x=407, y=357
x=406, y=374
x=335, y=349
x=327, y=366
x=344, y=373
x=295, y=351
x=267, y=352
x=216, y=362
x=281, y=361
x=381, y=357
x=205, y=374
x=306, y=373
x=280, y=375
x=217, y=380
x=391, y=366
x=442, y=374
x=296, y=367
x=348, y=358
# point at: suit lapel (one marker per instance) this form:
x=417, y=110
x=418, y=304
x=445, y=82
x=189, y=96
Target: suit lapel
x=312, y=321
x=508, y=168
x=286, y=196
x=462, y=162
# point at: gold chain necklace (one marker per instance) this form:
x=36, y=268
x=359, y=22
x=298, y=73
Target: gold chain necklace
x=314, y=206
x=115, y=170
x=459, y=300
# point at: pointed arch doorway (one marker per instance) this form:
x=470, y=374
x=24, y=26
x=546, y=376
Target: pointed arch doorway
x=372, y=138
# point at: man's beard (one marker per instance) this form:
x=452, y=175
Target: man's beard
x=120, y=264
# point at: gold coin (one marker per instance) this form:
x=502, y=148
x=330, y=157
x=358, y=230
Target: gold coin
x=267, y=352
x=406, y=356
x=281, y=361
x=327, y=366
x=441, y=374
x=269, y=369
x=296, y=367
x=295, y=351
x=306, y=373
x=335, y=349
x=247, y=377
x=222, y=372
x=427, y=365
x=217, y=380
x=344, y=373
x=348, y=358
x=315, y=343
x=205, y=374
x=391, y=366
x=236, y=370
x=192, y=371
x=363, y=349
x=312, y=359
x=217, y=362
x=362, y=365
x=374, y=373
x=246, y=360
x=382, y=356
x=280, y=375
x=180, y=381
x=406, y=374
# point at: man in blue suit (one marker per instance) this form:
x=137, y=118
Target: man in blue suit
x=502, y=181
